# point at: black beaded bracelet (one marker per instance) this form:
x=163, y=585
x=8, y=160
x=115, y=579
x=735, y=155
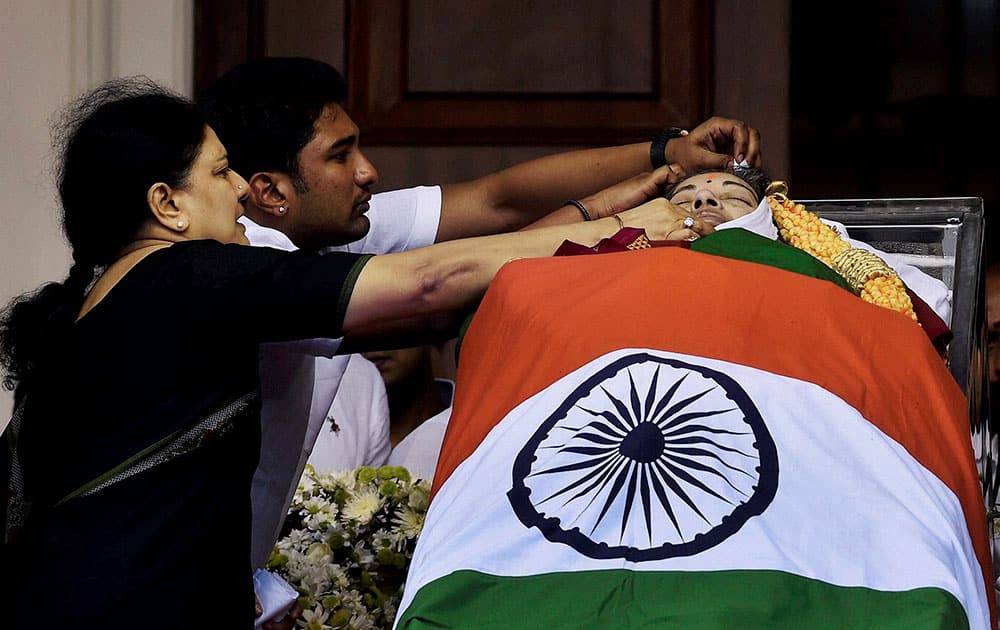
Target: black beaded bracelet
x=579, y=206
x=658, y=149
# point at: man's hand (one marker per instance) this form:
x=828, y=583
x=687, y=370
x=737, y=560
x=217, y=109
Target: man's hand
x=714, y=145
x=632, y=192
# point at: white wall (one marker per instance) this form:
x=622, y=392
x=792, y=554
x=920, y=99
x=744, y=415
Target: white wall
x=52, y=51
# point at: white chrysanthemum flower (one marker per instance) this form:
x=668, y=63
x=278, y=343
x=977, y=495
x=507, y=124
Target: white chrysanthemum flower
x=390, y=609
x=314, y=505
x=315, y=619
x=410, y=522
x=327, y=481
x=336, y=574
x=362, y=506
x=351, y=600
x=294, y=539
x=316, y=522
x=362, y=620
x=398, y=539
x=365, y=555
x=381, y=540
x=307, y=485
x=331, y=510
x=344, y=479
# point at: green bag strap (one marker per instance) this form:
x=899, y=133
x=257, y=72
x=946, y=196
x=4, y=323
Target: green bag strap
x=17, y=505
x=178, y=443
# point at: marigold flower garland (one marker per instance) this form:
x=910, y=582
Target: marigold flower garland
x=869, y=276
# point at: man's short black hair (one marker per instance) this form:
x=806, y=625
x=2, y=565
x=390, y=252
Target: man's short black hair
x=264, y=110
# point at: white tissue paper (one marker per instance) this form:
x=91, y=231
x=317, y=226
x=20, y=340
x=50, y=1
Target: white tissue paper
x=275, y=595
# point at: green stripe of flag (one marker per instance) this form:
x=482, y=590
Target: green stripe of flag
x=743, y=245
x=745, y=599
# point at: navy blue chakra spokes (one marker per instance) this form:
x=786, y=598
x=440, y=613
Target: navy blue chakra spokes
x=648, y=458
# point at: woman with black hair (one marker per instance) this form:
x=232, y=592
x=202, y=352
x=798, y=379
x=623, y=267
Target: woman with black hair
x=136, y=430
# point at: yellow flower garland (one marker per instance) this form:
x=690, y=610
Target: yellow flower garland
x=869, y=276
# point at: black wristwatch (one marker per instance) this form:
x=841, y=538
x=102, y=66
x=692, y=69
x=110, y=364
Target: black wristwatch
x=657, y=150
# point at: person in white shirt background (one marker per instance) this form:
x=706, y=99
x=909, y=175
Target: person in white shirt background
x=419, y=406
x=356, y=428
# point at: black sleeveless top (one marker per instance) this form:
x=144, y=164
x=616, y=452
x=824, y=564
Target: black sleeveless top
x=165, y=365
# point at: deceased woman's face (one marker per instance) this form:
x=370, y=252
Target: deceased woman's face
x=715, y=197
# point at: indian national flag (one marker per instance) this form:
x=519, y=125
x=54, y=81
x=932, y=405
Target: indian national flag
x=668, y=438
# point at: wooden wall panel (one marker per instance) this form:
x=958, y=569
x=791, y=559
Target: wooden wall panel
x=388, y=111
x=733, y=44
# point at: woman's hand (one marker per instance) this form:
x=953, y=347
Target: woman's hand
x=715, y=144
x=632, y=192
x=664, y=221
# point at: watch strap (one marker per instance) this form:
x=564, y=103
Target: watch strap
x=658, y=148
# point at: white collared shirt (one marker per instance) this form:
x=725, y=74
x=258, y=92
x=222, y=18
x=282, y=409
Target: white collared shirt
x=300, y=379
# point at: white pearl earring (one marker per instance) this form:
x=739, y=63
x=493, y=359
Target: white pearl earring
x=180, y=225
x=281, y=209
x=240, y=187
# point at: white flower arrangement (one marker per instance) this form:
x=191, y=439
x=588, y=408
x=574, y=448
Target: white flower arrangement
x=348, y=540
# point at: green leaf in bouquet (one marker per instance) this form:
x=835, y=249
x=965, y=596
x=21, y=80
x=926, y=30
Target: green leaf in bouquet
x=365, y=474
x=370, y=600
x=276, y=561
x=336, y=540
x=385, y=555
x=340, y=497
x=386, y=472
x=331, y=602
x=402, y=474
x=341, y=618
x=388, y=488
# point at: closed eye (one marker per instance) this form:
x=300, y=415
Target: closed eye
x=739, y=199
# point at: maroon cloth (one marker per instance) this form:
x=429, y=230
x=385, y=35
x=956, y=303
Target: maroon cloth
x=618, y=242
x=932, y=324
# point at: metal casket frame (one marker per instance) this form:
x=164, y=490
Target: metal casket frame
x=943, y=237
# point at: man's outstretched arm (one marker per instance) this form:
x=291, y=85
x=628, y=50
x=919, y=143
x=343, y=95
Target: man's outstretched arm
x=514, y=197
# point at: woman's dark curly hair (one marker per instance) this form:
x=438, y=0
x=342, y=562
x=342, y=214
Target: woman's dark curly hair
x=754, y=178
x=115, y=142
